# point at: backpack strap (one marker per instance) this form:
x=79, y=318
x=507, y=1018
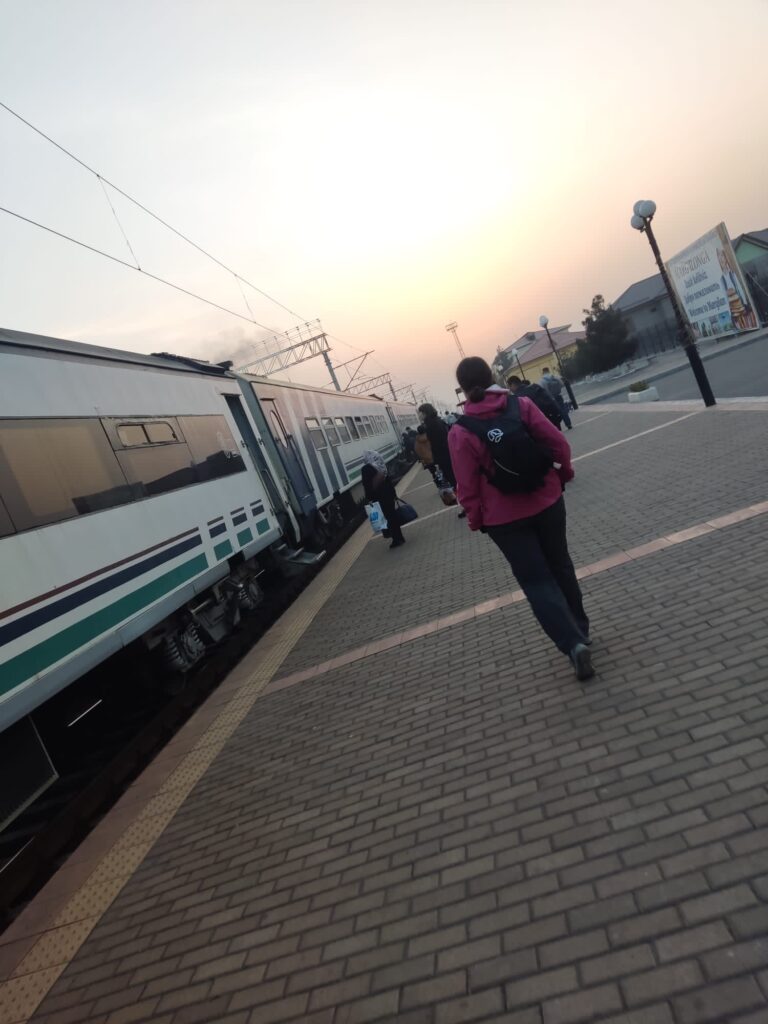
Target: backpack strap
x=473, y=425
x=478, y=426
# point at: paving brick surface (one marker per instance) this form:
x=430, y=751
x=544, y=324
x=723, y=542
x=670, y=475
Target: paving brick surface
x=455, y=830
x=623, y=497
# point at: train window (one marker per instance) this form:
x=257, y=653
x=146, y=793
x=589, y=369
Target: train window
x=160, y=433
x=131, y=434
x=153, y=470
x=330, y=431
x=139, y=433
x=354, y=433
x=213, y=449
x=52, y=470
x=367, y=426
x=6, y=526
x=360, y=426
x=316, y=434
x=342, y=430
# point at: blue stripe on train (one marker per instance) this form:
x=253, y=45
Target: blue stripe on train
x=52, y=611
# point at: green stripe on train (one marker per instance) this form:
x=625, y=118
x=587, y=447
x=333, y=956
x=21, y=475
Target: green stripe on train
x=223, y=549
x=262, y=526
x=244, y=537
x=44, y=654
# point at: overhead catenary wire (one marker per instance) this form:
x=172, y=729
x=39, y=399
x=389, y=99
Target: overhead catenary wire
x=149, y=212
x=138, y=270
x=117, y=221
x=104, y=181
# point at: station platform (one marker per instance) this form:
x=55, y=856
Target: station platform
x=402, y=807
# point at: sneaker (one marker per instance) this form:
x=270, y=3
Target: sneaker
x=462, y=514
x=582, y=662
x=397, y=543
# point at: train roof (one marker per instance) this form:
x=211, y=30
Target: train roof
x=277, y=382
x=38, y=344
x=44, y=346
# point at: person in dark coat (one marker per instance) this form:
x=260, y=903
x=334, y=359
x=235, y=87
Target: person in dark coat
x=378, y=487
x=540, y=398
x=437, y=432
x=423, y=450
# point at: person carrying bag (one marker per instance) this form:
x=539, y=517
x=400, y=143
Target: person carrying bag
x=378, y=488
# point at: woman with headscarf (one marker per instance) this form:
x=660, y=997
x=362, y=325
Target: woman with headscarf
x=378, y=487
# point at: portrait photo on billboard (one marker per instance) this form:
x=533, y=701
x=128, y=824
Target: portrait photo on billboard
x=711, y=287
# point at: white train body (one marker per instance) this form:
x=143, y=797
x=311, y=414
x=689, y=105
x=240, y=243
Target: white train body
x=137, y=495
x=74, y=588
x=321, y=435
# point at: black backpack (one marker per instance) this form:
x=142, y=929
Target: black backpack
x=543, y=401
x=521, y=464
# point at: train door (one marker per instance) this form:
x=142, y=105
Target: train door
x=289, y=456
x=393, y=420
x=251, y=443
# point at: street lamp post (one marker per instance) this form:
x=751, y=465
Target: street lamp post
x=544, y=322
x=644, y=210
x=519, y=366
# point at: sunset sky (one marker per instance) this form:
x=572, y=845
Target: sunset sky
x=384, y=167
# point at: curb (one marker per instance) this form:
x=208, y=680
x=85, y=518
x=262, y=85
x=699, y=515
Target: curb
x=705, y=356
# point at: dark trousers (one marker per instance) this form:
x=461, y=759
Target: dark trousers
x=565, y=415
x=446, y=468
x=388, y=507
x=537, y=550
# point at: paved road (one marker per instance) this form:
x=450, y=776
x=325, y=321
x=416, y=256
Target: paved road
x=742, y=373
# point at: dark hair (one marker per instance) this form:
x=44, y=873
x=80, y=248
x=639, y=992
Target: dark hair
x=545, y=370
x=421, y=429
x=428, y=411
x=514, y=380
x=474, y=376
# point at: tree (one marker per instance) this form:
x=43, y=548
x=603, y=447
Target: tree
x=606, y=345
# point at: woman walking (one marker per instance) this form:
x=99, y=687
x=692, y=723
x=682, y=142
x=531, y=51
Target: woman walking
x=526, y=519
x=423, y=450
x=378, y=487
x=437, y=433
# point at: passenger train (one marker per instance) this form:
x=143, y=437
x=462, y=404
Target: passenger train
x=140, y=499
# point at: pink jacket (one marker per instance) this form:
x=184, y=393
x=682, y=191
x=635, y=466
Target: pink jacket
x=484, y=504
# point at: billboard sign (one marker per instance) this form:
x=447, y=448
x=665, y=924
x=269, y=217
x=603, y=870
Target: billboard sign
x=711, y=288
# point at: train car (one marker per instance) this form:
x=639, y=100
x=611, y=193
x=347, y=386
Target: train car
x=135, y=501
x=140, y=499
x=318, y=436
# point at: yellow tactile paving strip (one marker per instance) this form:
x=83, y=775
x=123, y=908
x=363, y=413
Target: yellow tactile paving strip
x=62, y=936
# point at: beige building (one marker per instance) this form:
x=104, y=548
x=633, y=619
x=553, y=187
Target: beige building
x=528, y=356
